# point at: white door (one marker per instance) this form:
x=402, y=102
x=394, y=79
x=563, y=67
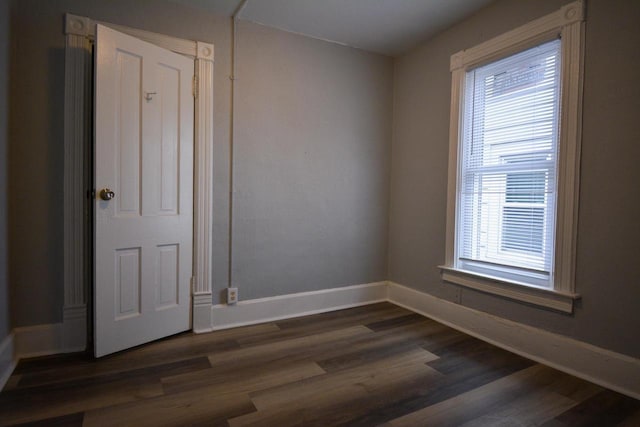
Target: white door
x=144, y=161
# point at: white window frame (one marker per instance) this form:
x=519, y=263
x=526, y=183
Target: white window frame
x=567, y=23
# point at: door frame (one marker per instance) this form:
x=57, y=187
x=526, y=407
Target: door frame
x=78, y=171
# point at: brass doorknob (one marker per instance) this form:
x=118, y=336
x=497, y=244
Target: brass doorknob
x=107, y=194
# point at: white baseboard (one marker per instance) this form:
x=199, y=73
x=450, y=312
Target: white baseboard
x=39, y=340
x=202, y=312
x=595, y=364
x=294, y=305
x=74, y=328
x=7, y=359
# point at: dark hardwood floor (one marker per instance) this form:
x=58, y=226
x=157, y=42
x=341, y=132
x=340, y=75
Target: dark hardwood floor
x=367, y=366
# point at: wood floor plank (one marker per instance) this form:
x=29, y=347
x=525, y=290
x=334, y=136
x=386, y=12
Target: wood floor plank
x=479, y=400
x=469, y=354
x=397, y=322
x=352, y=401
x=34, y=407
x=326, y=399
x=91, y=367
x=246, y=380
x=196, y=407
x=71, y=420
x=183, y=346
x=293, y=349
x=12, y=382
x=450, y=385
x=482, y=400
x=440, y=341
x=325, y=322
x=360, y=315
x=372, y=347
x=319, y=387
x=606, y=408
x=367, y=366
x=77, y=395
x=632, y=420
x=533, y=409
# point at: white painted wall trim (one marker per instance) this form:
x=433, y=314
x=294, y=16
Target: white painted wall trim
x=598, y=365
x=74, y=328
x=295, y=305
x=7, y=359
x=549, y=298
x=79, y=32
x=39, y=340
x=534, y=32
x=76, y=169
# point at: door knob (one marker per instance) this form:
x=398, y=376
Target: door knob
x=107, y=194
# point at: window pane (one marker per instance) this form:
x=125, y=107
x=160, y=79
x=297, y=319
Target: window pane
x=522, y=229
x=526, y=187
x=506, y=199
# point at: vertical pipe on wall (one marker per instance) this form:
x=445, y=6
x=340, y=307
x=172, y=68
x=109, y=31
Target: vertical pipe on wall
x=232, y=77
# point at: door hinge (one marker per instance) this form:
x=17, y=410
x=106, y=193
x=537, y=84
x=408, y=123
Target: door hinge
x=195, y=86
x=193, y=284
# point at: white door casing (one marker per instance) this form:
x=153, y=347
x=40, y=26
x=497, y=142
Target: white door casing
x=80, y=34
x=144, y=153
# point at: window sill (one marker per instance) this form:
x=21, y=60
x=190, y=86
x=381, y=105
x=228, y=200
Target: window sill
x=548, y=298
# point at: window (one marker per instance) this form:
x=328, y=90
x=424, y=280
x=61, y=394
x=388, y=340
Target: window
x=513, y=163
x=508, y=166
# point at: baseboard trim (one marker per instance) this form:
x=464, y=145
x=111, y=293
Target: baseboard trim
x=42, y=340
x=201, y=312
x=74, y=327
x=595, y=364
x=7, y=359
x=269, y=309
x=601, y=366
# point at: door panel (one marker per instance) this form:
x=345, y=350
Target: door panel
x=144, y=153
x=128, y=74
x=168, y=279
x=127, y=283
x=170, y=122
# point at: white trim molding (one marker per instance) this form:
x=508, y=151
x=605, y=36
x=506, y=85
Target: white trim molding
x=280, y=307
x=39, y=340
x=543, y=297
x=86, y=27
x=74, y=328
x=609, y=369
x=203, y=191
x=535, y=32
x=44, y=340
x=77, y=93
x=80, y=31
x=7, y=359
x=202, y=315
x=567, y=23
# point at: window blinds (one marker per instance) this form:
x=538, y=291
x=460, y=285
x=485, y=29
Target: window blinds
x=507, y=192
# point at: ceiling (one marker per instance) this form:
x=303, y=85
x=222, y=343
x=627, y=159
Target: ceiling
x=389, y=27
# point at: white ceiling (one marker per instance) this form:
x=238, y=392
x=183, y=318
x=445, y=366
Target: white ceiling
x=390, y=27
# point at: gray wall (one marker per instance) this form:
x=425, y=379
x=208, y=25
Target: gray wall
x=608, y=231
x=4, y=116
x=284, y=204
x=312, y=156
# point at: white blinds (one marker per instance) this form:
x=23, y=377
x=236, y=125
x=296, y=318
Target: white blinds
x=507, y=191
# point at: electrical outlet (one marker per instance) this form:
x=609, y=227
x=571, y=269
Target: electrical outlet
x=232, y=295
